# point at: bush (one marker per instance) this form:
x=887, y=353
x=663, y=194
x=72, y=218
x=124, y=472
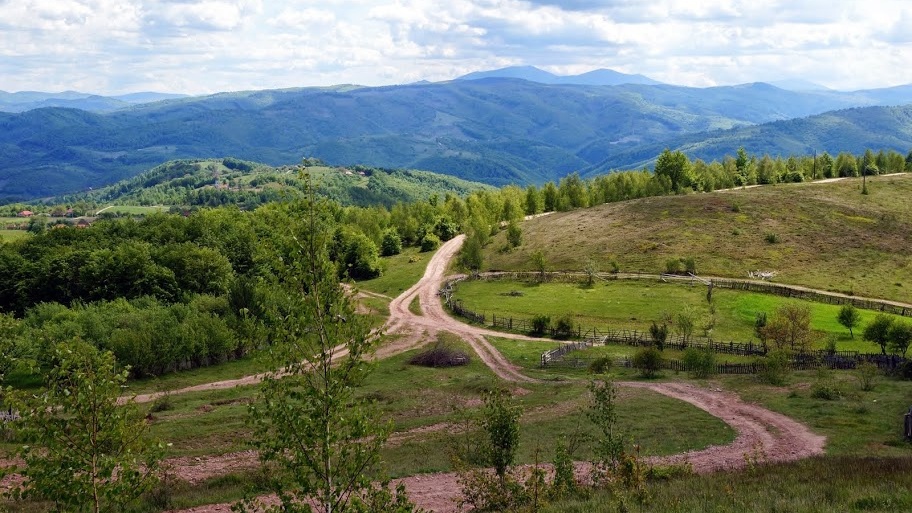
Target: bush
x=659, y=333
x=391, y=243
x=771, y=238
x=673, y=266
x=701, y=364
x=540, y=324
x=514, y=235
x=601, y=365
x=441, y=355
x=648, y=361
x=564, y=327
x=430, y=242
x=825, y=387
x=867, y=374
x=775, y=368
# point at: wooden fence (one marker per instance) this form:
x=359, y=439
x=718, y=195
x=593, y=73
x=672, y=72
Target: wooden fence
x=725, y=283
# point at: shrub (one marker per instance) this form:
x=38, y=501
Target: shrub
x=825, y=387
x=564, y=327
x=659, y=333
x=391, y=243
x=867, y=374
x=701, y=364
x=771, y=238
x=690, y=265
x=601, y=365
x=540, y=324
x=775, y=368
x=673, y=266
x=648, y=361
x=514, y=235
x=430, y=242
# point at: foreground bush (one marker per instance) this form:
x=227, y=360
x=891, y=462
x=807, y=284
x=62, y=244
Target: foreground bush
x=648, y=361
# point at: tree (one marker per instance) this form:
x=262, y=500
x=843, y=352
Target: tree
x=676, y=166
x=539, y=264
x=391, y=243
x=648, y=361
x=900, y=337
x=609, y=440
x=849, y=317
x=790, y=327
x=501, y=423
x=878, y=331
x=591, y=271
x=470, y=255
x=514, y=235
x=685, y=322
x=309, y=423
x=84, y=452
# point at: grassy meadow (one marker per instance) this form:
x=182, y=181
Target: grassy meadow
x=635, y=304
x=822, y=235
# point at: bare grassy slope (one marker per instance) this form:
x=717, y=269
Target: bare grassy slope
x=828, y=235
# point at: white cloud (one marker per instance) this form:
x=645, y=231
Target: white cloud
x=202, y=46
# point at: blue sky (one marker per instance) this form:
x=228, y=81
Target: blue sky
x=207, y=46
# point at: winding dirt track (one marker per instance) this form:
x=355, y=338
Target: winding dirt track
x=761, y=433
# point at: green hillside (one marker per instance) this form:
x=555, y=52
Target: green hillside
x=229, y=181
x=823, y=235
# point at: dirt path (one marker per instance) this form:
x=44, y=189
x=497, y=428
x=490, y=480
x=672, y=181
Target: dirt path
x=762, y=436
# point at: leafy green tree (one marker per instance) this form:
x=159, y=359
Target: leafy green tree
x=609, y=440
x=84, y=452
x=878, y=331
x=648, y=361
x=514, y=235
x=900, y=337
x=534, y=201
x=470, y=255
x=849, y=317
x=676, y=166
x=539, y=263
x=391, y=243
x=550, y=197
x=309, y=422
x=500, y=421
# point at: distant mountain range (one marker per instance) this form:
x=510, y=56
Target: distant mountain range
x=28, y=100
x=604, y=77
x=482, y=127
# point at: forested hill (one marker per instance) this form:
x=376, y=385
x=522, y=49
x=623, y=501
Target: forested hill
x=493, y=130
x=850, y=130
x=229, y=181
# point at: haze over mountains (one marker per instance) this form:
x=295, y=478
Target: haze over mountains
x=516, y=125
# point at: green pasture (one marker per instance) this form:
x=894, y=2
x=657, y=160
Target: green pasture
x=827, y=236
x=635, y=304
x=135, y=210
x=11, y=235
x=400, y=272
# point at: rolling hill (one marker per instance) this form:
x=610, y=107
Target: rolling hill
x=493, y=130
x=822, y=235
x=215, y=182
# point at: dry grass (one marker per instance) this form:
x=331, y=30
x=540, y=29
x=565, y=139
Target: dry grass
x=830, y=236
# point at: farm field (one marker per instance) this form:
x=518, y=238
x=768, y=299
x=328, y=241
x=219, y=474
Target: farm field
x=11, y=235
x=825, y=235
x=635, y=304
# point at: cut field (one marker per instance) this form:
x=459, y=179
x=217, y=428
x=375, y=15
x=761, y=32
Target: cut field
x=11, y=235
x=822, y=235
x=635, y=304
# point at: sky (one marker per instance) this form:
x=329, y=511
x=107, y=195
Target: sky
x=208, y=46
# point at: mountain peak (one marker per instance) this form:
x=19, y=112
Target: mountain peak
x=596, y=77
